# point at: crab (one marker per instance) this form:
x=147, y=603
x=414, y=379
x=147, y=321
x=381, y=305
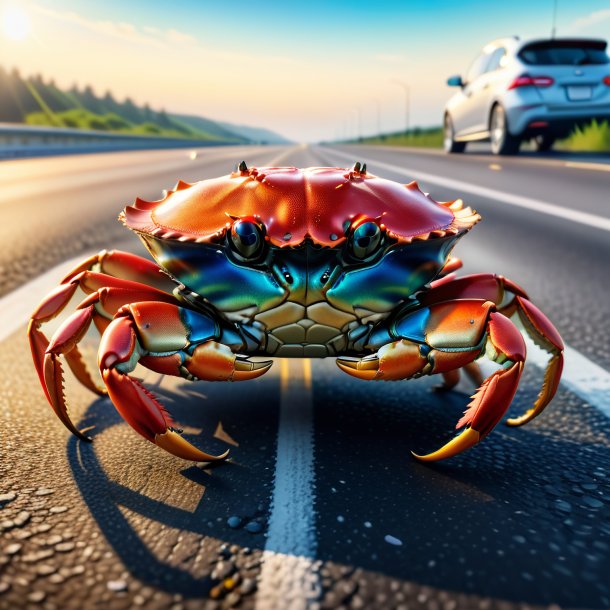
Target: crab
x=287, y=262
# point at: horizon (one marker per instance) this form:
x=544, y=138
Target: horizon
x=260, y=68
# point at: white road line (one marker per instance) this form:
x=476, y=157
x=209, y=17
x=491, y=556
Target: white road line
x=516, y=161
x=587, y=380
x=459, y=186
x=289, y=573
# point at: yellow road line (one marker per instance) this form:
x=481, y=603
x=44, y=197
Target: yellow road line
x=284, y=374
x=307, y=373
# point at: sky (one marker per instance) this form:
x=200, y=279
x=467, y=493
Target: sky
x=308, y=70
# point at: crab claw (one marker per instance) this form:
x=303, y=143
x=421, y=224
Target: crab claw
x=64, y=342
x=399, y=360
x=146, y=415
x=362, y=368
x=244, y=369
x=489, y=403
x=54, y=389
x=138, y=406
x=495, y=394
x=467, y=439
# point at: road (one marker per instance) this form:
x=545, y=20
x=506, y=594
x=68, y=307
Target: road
x=321, y=503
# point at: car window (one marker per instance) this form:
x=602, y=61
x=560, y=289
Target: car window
x=564, y=53
x=495, y=61
x=477, y=67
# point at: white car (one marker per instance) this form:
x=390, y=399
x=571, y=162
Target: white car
x=517, y=90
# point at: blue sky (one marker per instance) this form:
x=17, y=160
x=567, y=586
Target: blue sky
x=306, y=69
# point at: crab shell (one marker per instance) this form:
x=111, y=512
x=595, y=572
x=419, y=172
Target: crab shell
x=295, y=205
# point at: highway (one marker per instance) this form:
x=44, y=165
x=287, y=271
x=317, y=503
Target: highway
x=321, y=503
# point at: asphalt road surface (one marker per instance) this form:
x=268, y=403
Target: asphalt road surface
x=321, y=505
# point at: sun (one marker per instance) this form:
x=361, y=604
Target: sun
x=15, y=23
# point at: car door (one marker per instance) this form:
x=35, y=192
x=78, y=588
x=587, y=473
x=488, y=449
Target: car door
x=486, y=88
x=464, y=115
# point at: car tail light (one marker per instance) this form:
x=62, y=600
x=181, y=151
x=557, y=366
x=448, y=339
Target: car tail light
x=525, y=80
x=606, y=80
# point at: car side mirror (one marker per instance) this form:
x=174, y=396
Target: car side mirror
x=455, y=81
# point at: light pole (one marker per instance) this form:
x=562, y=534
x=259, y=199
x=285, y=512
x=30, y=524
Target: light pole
x=407, y=90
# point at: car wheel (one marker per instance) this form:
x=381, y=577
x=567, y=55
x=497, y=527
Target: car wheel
x=544, y=142
x=449, y=143
x=502, y=141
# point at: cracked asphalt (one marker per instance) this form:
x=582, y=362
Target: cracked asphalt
x=520, y=521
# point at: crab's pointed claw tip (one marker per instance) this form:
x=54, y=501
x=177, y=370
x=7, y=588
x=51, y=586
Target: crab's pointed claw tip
x=362, y=369
x=465, y=440
x=244, y=369
x=175, y=444
x=54, y=386
x=522, y=419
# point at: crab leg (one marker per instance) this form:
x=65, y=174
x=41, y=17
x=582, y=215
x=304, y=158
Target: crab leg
x=510, y=298
x=100, y=305
x=544, y=334
x=445, y=337
x=113, y=264
x=124, y=265
x=161, y=336
x=89, y=282
x=185, y=347
x=504, y=346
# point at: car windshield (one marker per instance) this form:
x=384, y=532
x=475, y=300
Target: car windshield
x=565, y=53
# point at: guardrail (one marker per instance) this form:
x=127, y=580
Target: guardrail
x=31, y=141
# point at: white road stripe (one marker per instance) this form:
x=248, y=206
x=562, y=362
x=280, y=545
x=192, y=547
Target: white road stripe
x=289, y=576
x=587, y=380
x=515, y=161
x=459, y=186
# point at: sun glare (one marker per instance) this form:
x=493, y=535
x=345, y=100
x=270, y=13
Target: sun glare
x=15, y=23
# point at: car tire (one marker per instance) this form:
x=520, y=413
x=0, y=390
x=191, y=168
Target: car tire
x=449, y=143
x=502, y=141
x=544, y=142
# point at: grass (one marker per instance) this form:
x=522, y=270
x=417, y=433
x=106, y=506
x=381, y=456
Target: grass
x=79, y=118
x=594, y=137
x=426, y=138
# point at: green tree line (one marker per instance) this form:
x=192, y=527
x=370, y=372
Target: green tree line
x=34, y=101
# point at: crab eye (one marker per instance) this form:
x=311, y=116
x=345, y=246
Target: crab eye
x=246, y=238
x=366, y=239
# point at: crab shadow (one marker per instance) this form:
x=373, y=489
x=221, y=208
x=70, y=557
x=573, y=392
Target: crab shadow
x=504, y=520
x=240, y=487
x=451, y=518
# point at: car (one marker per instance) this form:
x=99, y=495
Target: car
x=533, y=89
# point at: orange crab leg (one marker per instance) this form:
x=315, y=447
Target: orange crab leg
x=544, y=334
x=443, y=338
x=111, y=265
x=124, y=265
x=163, y=337
x=103, y=302
x=131, y=336
x=509, y=298
x=108, y=302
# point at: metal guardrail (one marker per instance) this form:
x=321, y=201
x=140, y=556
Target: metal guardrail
x=29, y=141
